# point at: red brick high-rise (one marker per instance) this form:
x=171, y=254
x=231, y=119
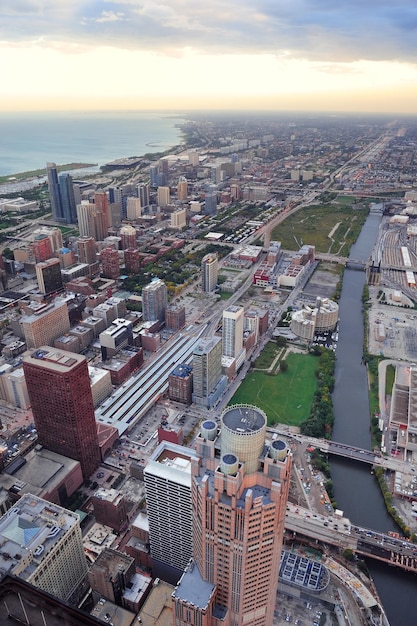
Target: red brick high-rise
x=60, y=393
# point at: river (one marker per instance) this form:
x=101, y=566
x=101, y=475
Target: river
x=356, y=491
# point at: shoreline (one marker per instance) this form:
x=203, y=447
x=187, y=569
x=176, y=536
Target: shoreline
x=40, y=173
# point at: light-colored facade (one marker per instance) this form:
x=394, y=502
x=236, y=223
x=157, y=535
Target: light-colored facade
x=133, y=208
x=207, y=369
x=42, y=544
x=163, y=196
x=318, y=319
x=45, y=324
x=101, y=386
x=154, y=301
x=167, y=478
x=232, y=332
x=17, y=391
x=209, y=272
x=179, y=219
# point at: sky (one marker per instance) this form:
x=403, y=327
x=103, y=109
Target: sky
x=314, y=55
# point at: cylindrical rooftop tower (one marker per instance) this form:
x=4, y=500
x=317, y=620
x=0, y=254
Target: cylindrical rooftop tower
x=243, y=434
x=208, y=430
x=278, y=450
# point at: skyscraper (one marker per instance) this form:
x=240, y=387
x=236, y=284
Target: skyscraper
x=87, y=250
x=48, y=275
x=232, y=331
x=101, y=201
x=239, y=495
x=154, y=300
x=66, y=191
x=167, y=478
x=210, y=204
x=110, y=265
x=182, y=189
x=143, y=194
x=208, y=382
x=62, y=403
x=91, y=221
x=209, y=272
x=163, y=196
x=42, y=247
x=54, y=195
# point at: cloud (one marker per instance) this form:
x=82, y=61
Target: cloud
x=318, y=30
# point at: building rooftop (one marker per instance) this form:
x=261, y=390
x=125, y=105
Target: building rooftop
x=193, y=589
x=172, y=462
x=28, y=531
x=109, y=613
x=244, y=418
x=41, y=471
x=157, y=610
x=139, y=584
x=54, y=359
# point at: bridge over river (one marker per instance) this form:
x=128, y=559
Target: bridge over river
x=338, y=531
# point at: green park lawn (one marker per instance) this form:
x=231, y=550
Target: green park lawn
x=331, y=228
x=286, y=398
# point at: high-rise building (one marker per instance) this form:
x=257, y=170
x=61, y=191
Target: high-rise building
x=175, y=317
x=62, y=404
x=87, y=250
x=41, y=247
x=44, y=323
x=210, y=205
x=180, y=383
x=42, y=545
x=193, y=158
x=208, y=381
x=179, y=219
x=239, y=497
x=66, y=190
x=163, y=196
x=54, y=234
x=133, y=209
x=167, y=478
x=110, y=263
x=154, y=300
x=54, y=195
x=209, y=272
x=128, y=235
x=232, y=331
x=91, y=221
x=143, y=194
x=153, y=174
x=48, y=275
x=101, y=201
x=132, y=258
x=182, y=189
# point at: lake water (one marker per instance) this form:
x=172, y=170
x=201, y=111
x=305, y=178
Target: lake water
x=29, y=140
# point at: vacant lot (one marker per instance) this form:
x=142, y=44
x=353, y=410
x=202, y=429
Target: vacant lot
x=286, y=397
x=332, y=228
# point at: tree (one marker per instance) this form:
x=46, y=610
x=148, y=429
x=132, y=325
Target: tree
x=8, y=254
x=283, y=366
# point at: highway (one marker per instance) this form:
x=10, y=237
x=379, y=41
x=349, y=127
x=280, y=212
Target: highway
x=339, y=531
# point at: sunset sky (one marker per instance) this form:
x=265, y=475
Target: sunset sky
x=184, y=54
